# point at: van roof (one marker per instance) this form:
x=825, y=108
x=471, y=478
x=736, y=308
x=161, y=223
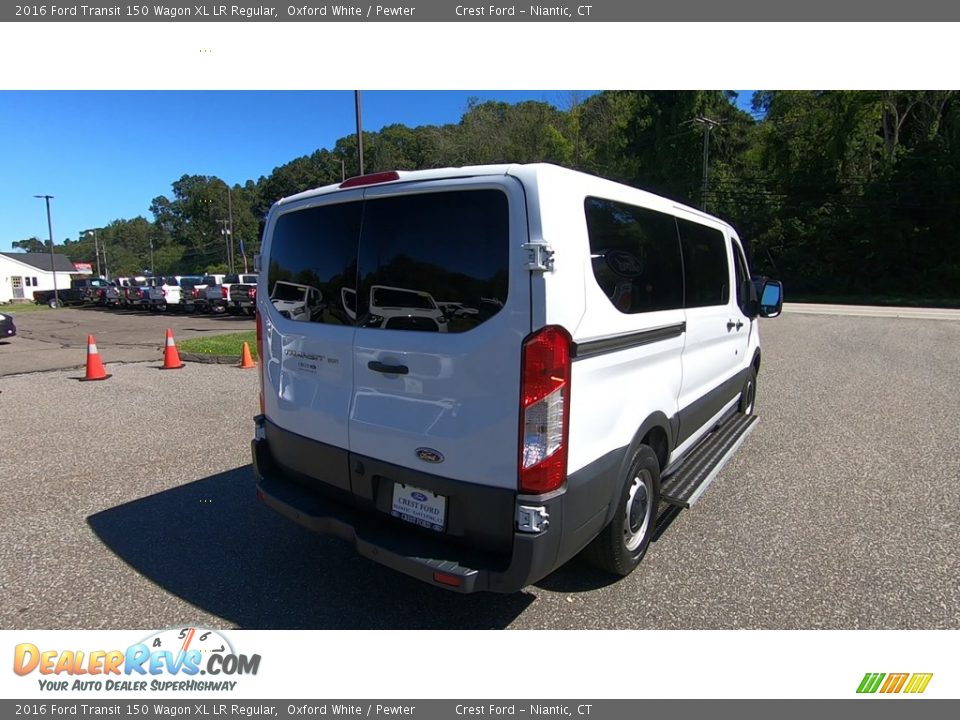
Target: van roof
x=412, y=176
x=529, y=172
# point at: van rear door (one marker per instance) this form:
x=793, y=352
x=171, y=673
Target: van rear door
x=435, y=389
x=311, y=250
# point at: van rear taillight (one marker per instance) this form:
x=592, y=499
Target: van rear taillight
x=544, y=410
x=223, y=292
x=260, y=357
x=371, y=179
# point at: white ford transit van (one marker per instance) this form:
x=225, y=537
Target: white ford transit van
x=601, y=362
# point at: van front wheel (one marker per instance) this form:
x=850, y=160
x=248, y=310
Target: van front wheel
x=748, y=396
x=621, y=545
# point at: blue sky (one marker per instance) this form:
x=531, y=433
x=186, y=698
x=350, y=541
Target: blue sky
x=106, y=155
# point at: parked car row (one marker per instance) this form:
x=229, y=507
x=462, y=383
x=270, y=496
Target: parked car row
x=233, y=293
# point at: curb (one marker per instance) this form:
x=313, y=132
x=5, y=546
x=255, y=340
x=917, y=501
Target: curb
x=210, y=359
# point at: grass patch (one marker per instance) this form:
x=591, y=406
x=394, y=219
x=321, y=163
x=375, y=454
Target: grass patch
x=227, y=345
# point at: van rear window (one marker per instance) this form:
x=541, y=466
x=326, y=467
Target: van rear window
x=433, y=262
x=313, y=257
x=427, y=262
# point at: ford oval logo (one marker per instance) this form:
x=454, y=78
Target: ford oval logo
x=624, y=264
x=418, y=496
x=429, y=455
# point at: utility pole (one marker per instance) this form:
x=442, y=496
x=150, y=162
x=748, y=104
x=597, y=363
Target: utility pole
x=230, y=216
x=153, y=269
x=225, y=231
x=356, y=98
x=707, y=125
x=53, y=267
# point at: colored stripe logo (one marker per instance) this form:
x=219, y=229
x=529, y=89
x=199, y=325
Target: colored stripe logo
x=913, y=683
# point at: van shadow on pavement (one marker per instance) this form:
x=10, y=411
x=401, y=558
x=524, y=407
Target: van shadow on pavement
x=212, y=544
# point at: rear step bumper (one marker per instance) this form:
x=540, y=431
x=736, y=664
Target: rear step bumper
x=432, y=560
x=685, y=484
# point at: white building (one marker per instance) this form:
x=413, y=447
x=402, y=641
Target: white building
x=23, y=273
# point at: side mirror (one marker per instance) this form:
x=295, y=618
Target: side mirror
x=771, y=298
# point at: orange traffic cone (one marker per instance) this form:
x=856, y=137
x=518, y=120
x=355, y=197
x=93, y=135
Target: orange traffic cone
x=95, y=369
x=171, y=358
x=246, y=362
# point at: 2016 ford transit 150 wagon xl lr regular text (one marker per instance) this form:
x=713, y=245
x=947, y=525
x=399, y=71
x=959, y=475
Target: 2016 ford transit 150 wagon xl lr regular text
x=602, y=361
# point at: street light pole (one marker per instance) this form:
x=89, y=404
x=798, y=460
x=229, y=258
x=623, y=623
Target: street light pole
x=96, y=247
x=53, y=268
x=356, y=99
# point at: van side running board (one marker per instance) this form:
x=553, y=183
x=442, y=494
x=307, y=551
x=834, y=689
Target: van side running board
x=684, y=485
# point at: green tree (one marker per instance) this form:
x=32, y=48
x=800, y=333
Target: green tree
x=32, y=244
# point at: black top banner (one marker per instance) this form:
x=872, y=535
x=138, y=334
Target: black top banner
x=452, y=11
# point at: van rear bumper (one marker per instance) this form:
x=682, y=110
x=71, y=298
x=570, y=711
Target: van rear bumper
x=437, y=560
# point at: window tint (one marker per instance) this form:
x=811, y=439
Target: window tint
x=635, y=256
x=706, y=272
x=313, y=256
x=434, y=262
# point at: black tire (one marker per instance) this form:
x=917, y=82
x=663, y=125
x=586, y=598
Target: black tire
x=621, y=545
x=748, y=395
x=53, y=303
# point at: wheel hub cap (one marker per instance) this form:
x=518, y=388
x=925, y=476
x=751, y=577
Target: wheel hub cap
x=637, y=514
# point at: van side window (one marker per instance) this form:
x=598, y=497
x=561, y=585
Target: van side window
x=313, y=257
x=635, y=256
x=705, y=267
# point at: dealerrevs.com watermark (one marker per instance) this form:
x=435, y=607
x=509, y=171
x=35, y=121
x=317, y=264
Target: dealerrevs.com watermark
x=169, y=660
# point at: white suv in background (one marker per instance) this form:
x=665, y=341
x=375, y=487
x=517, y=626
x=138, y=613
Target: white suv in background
x=171, y=290
x=597, y=369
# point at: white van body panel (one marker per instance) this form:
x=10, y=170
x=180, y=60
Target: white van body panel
x=614, y=393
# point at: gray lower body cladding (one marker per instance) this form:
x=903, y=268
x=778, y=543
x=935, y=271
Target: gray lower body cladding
x=330, y=490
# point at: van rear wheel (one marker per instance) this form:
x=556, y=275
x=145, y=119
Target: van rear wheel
x=621, y=545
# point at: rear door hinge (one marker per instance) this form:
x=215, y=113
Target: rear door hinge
x=539, y=256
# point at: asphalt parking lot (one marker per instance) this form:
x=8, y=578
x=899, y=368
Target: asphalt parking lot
x=130, y=503
x=52, y=339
